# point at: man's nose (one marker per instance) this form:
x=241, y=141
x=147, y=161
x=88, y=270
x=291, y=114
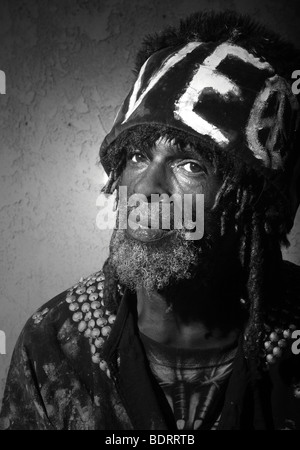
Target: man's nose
x=154, y=180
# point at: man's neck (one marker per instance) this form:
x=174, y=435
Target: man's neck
x=166, y=325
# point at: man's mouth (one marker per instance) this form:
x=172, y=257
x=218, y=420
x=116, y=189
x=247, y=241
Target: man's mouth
x=142, y=232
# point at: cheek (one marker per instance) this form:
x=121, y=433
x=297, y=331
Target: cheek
x=211, y=190
x=132, y=174
x=127, y=179
x=208, y=187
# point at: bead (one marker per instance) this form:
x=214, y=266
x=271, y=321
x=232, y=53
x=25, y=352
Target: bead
x=111, y=319
x=181, y=424
x=103, y=365
x=282, y=343
x=100, y=278
x=287, y=334
x=70, y=298
x=91, y=289
x=99, y=342
x=82, y=326
x=101, y=322
x=95, y=332
x=87, y=333
x=98, y=313
x=85, y=307
x=82, y=298
x=96, y=358
x=93, y=349
x=77, y=316
x=279, y=330
x=36, y=316
x=107, y=312
x=274, y=336
x=44, y=312
x=108, y=373
x=270, y=359
x=91, y=323
x=38, y=320
x=93, y=296
x=73, y=307
x=105, y=331
x=268, y=345
x=88, y=316
x=277, y=352
x=100, y=286
x=80, y=290
x=95, y=304
x=297, y=392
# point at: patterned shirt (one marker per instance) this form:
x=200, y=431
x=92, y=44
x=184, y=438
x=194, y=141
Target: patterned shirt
x=193, y=381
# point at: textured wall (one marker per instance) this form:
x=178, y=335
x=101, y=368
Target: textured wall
x=68, y=66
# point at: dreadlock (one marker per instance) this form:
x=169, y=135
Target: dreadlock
x=246, y=203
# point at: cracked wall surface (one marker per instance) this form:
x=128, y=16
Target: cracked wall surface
x=68, y=67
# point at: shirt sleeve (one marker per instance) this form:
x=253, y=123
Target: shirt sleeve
x=23, y=407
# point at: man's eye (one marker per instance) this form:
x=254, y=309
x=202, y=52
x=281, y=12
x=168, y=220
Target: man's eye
x=192, y=167
x=137, y=157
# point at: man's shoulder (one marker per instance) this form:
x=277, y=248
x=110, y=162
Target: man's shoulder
x=73, y=315
x=57, y=360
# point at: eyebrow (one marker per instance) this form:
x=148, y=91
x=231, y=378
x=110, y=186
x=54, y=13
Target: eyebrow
x=187, y=151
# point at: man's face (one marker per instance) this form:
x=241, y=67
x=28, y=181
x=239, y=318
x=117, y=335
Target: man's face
x=156, y=258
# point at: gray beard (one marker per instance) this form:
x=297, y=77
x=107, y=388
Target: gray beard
x=156, y=266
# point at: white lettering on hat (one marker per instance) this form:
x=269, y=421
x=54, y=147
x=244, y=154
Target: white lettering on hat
x=274, y=123
x=167, y=64
x=206, y=76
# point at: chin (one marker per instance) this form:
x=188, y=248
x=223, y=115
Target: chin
x=154, y=264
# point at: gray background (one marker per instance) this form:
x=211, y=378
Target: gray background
x=68, y=67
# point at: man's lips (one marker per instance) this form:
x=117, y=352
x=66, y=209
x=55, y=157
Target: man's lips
x=148, y=235
x=144, y=233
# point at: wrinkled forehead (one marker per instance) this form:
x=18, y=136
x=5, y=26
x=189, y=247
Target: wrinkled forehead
x=219, y=91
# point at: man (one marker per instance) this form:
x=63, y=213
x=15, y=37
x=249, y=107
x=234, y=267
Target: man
x=176, y=333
